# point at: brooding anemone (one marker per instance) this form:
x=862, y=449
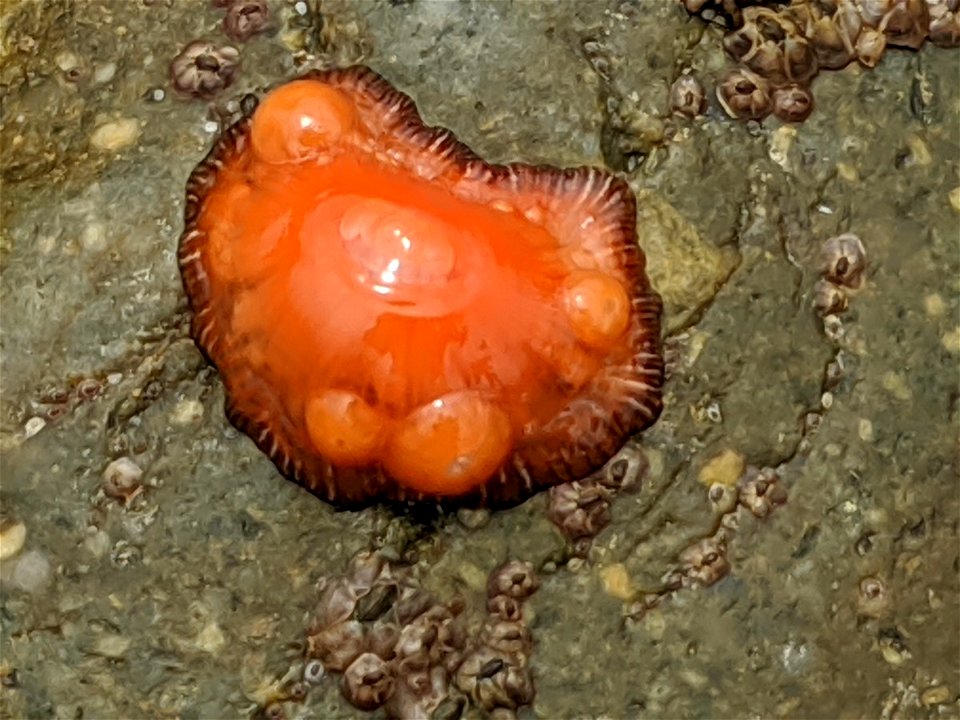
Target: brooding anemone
x=396, y=319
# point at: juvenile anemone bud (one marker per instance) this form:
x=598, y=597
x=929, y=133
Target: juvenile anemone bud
x=843, y=260
x=792, y=103
x=744, y=95
x=687, y=97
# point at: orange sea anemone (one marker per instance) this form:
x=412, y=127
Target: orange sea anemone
x=396, y=319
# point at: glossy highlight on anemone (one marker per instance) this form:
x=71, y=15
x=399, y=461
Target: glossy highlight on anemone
x=396, y=319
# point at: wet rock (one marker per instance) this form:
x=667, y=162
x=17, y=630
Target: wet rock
x=724, y=468
x=685, y=269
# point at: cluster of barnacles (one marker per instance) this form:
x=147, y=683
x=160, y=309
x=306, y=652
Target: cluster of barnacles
x=581, y=509
x=759, y=491
x=780, y=47
x=56, y=402
x=843, y=261
x=704, y=562
x=399, y=649
x=496, y=675
x=203, y=68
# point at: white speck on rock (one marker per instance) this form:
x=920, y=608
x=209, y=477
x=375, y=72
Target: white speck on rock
x=104, y=73
x=211, y=638
x=13, y=534
x=186, y=412
x=33, y=426
x=94, y=238
x=111, y=646
x=66, y=61
x=795, y=658
x=32, y=572
x=97, y=543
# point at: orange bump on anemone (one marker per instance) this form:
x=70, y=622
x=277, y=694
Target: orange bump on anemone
x=396, y=319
